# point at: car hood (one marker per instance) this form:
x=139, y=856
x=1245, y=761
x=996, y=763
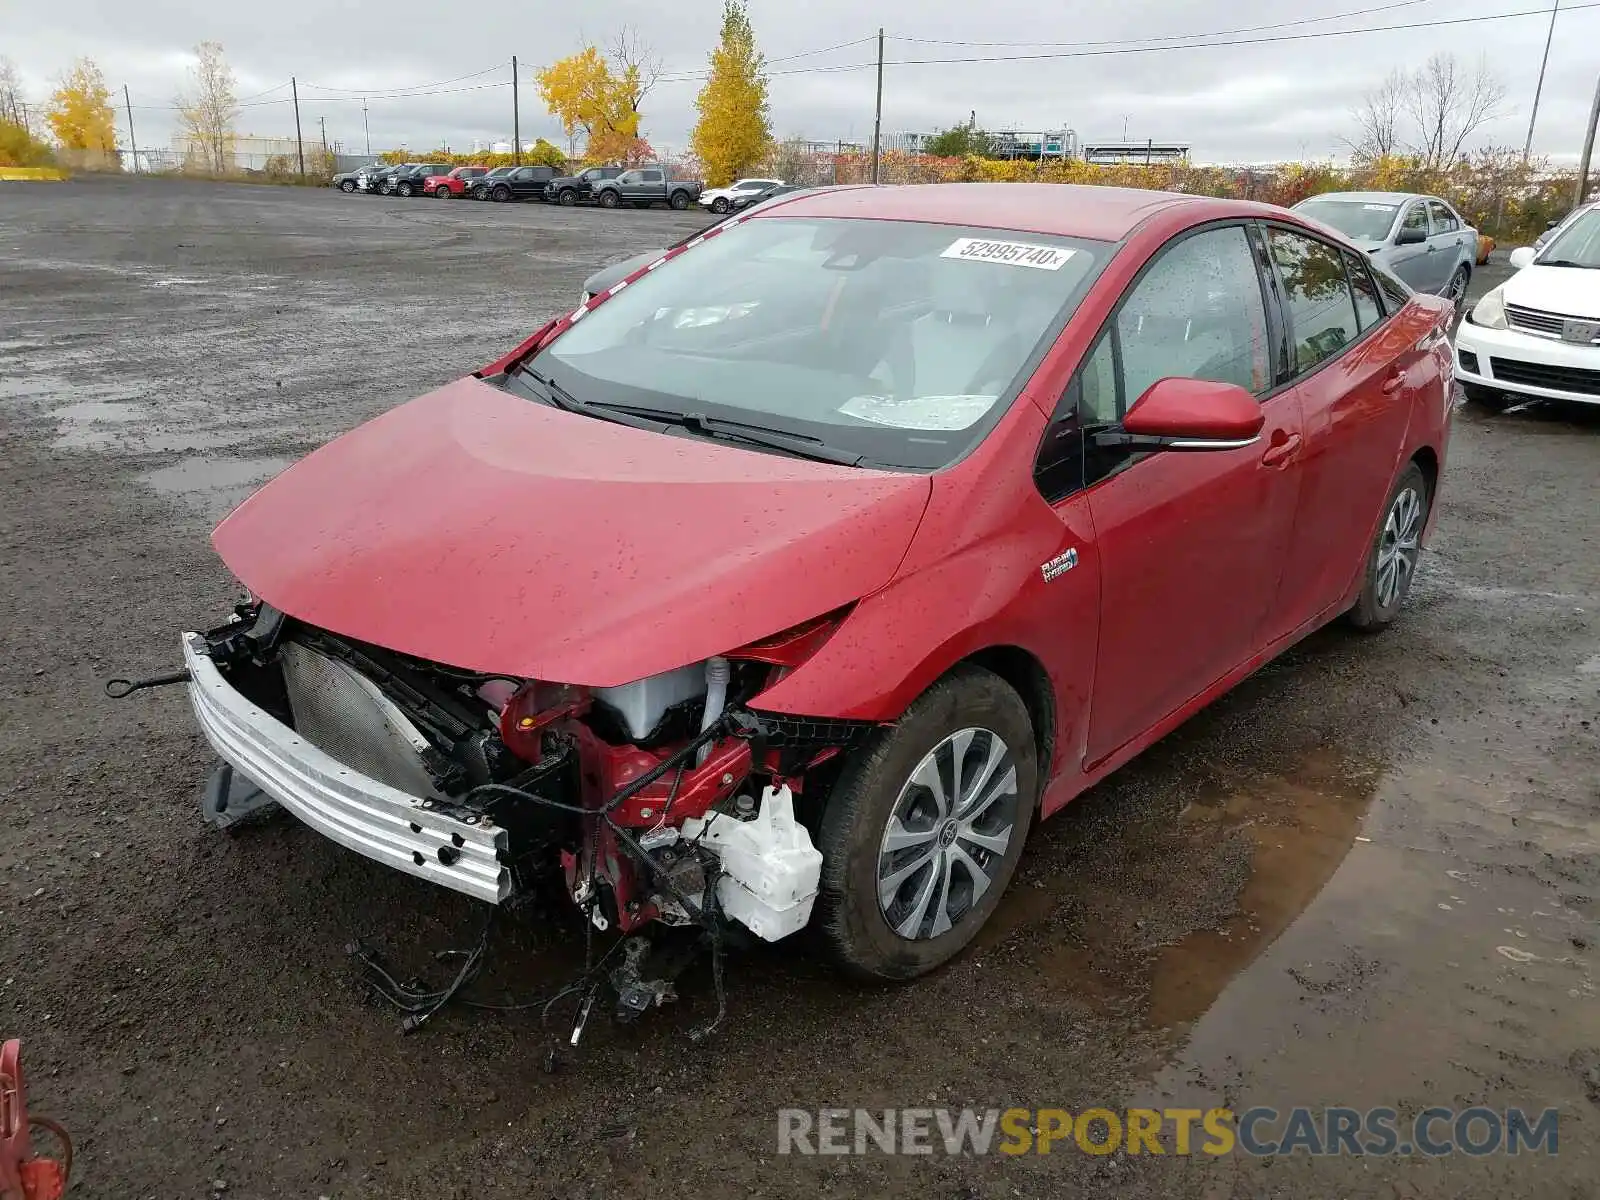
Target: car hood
x=489, y=532
x=1571, y=290
x=618, y=271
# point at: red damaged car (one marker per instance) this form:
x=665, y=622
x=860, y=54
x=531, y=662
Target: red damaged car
x=791, y=579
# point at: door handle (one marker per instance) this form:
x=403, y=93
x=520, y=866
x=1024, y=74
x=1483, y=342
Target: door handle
x=1279, y=453
x=1393, y=382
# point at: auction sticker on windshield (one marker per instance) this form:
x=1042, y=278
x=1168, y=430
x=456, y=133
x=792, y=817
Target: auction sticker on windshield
x=1012, y=254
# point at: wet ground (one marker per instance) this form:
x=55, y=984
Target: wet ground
x=1369, y=877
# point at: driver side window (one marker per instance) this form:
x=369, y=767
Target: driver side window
x=1416, y=218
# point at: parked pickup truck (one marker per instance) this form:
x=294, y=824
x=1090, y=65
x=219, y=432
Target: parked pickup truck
x=579, y=188
x=644, y=186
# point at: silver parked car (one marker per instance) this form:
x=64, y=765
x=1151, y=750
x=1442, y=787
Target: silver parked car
x=1419, y=238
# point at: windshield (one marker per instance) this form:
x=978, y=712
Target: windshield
x=1358, y=221
x=1577, y=245
x=893, y=340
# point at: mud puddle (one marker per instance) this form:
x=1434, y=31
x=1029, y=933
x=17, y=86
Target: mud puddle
x=131, y=427
x=213, y=486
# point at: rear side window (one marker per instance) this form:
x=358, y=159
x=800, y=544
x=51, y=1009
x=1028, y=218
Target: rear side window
x=1444, y=221
x=1369, y=309
x=652, y=176
x=1197, y=314
x=1322, y=313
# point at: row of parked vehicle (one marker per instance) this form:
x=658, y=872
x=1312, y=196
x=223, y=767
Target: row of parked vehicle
x=608, y=187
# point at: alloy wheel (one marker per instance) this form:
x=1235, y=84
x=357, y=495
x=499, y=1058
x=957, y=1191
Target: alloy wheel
x=947, y=833
x=1399, y=547
x=1456, y=293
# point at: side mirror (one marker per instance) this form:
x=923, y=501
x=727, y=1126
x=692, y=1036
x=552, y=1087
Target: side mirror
x=1551, y=224
x=1522, y=256
x=1410, y=235
x=1193, y=414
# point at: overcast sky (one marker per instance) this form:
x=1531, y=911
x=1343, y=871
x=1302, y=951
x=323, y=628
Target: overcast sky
x=1239, y=103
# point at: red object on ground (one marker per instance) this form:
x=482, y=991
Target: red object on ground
x=23, y=1176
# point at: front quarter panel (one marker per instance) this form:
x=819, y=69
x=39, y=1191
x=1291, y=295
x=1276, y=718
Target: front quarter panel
x=971, y=581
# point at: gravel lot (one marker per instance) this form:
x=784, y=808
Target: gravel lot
x=1368, y=877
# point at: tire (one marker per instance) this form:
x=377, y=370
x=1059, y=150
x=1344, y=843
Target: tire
x=442, y=193
x=347, y=185
x=500, y=194
x=1398, y=540
x=679, y=200
x=403, y=190
x=609, y=199
x=1487, y=398
x=878, y=783
x=1456, y=290
x=719, y=205
x=567, y=197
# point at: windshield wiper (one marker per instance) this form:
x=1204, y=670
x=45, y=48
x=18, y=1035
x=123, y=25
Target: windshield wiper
x=1567, y=262
x=558, y=397
x=800, y=444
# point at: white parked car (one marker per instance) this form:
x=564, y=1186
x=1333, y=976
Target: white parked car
x=720, y=200
x=1537, y=335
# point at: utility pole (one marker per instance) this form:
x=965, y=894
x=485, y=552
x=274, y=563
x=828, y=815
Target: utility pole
x=1527, y=146
x=299, y=142
x=364, y=128
x=516, y=117
x=132, y=141
x=877, y=114
x=1588, y=147
x=324, y=122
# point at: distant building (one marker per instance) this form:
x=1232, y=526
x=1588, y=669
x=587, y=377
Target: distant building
x=1140, y=153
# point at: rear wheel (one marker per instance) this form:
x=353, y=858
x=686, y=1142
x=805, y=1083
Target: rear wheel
x=404, y=189
x=1456, y=290
x=679, y=200
x=1392, y=561
x=608, y=199
x=923, y=830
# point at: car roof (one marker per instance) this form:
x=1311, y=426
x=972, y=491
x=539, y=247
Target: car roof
x=1069, y=210
x=1372, y=197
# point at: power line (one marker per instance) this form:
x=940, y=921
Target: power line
x=1172, y=37
x=1284, y=37
x=408, y=87
x=864, y=40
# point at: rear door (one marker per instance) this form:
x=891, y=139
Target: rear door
x=652, y=186
x=1190, y=544
x=1349, y=373
x=1447, y=239
x=1411, y=262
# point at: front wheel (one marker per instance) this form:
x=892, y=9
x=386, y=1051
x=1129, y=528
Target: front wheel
x=1392, y=561
x=608, y=199
x=441, y=193
x=568, y=197
x=924, y=827
x=404, y=189
x=719, y=205
x=347, y=185
x=680, y=201
x=501, y=194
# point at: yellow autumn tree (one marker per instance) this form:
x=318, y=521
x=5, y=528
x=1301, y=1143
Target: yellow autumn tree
x=599, y=96
x=80, y=114
x=734, y=132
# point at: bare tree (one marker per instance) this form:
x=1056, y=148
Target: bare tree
x=207, y=108
x=636, y=63
x=1447, y=104
x=1378, y=118
x=12, y=107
